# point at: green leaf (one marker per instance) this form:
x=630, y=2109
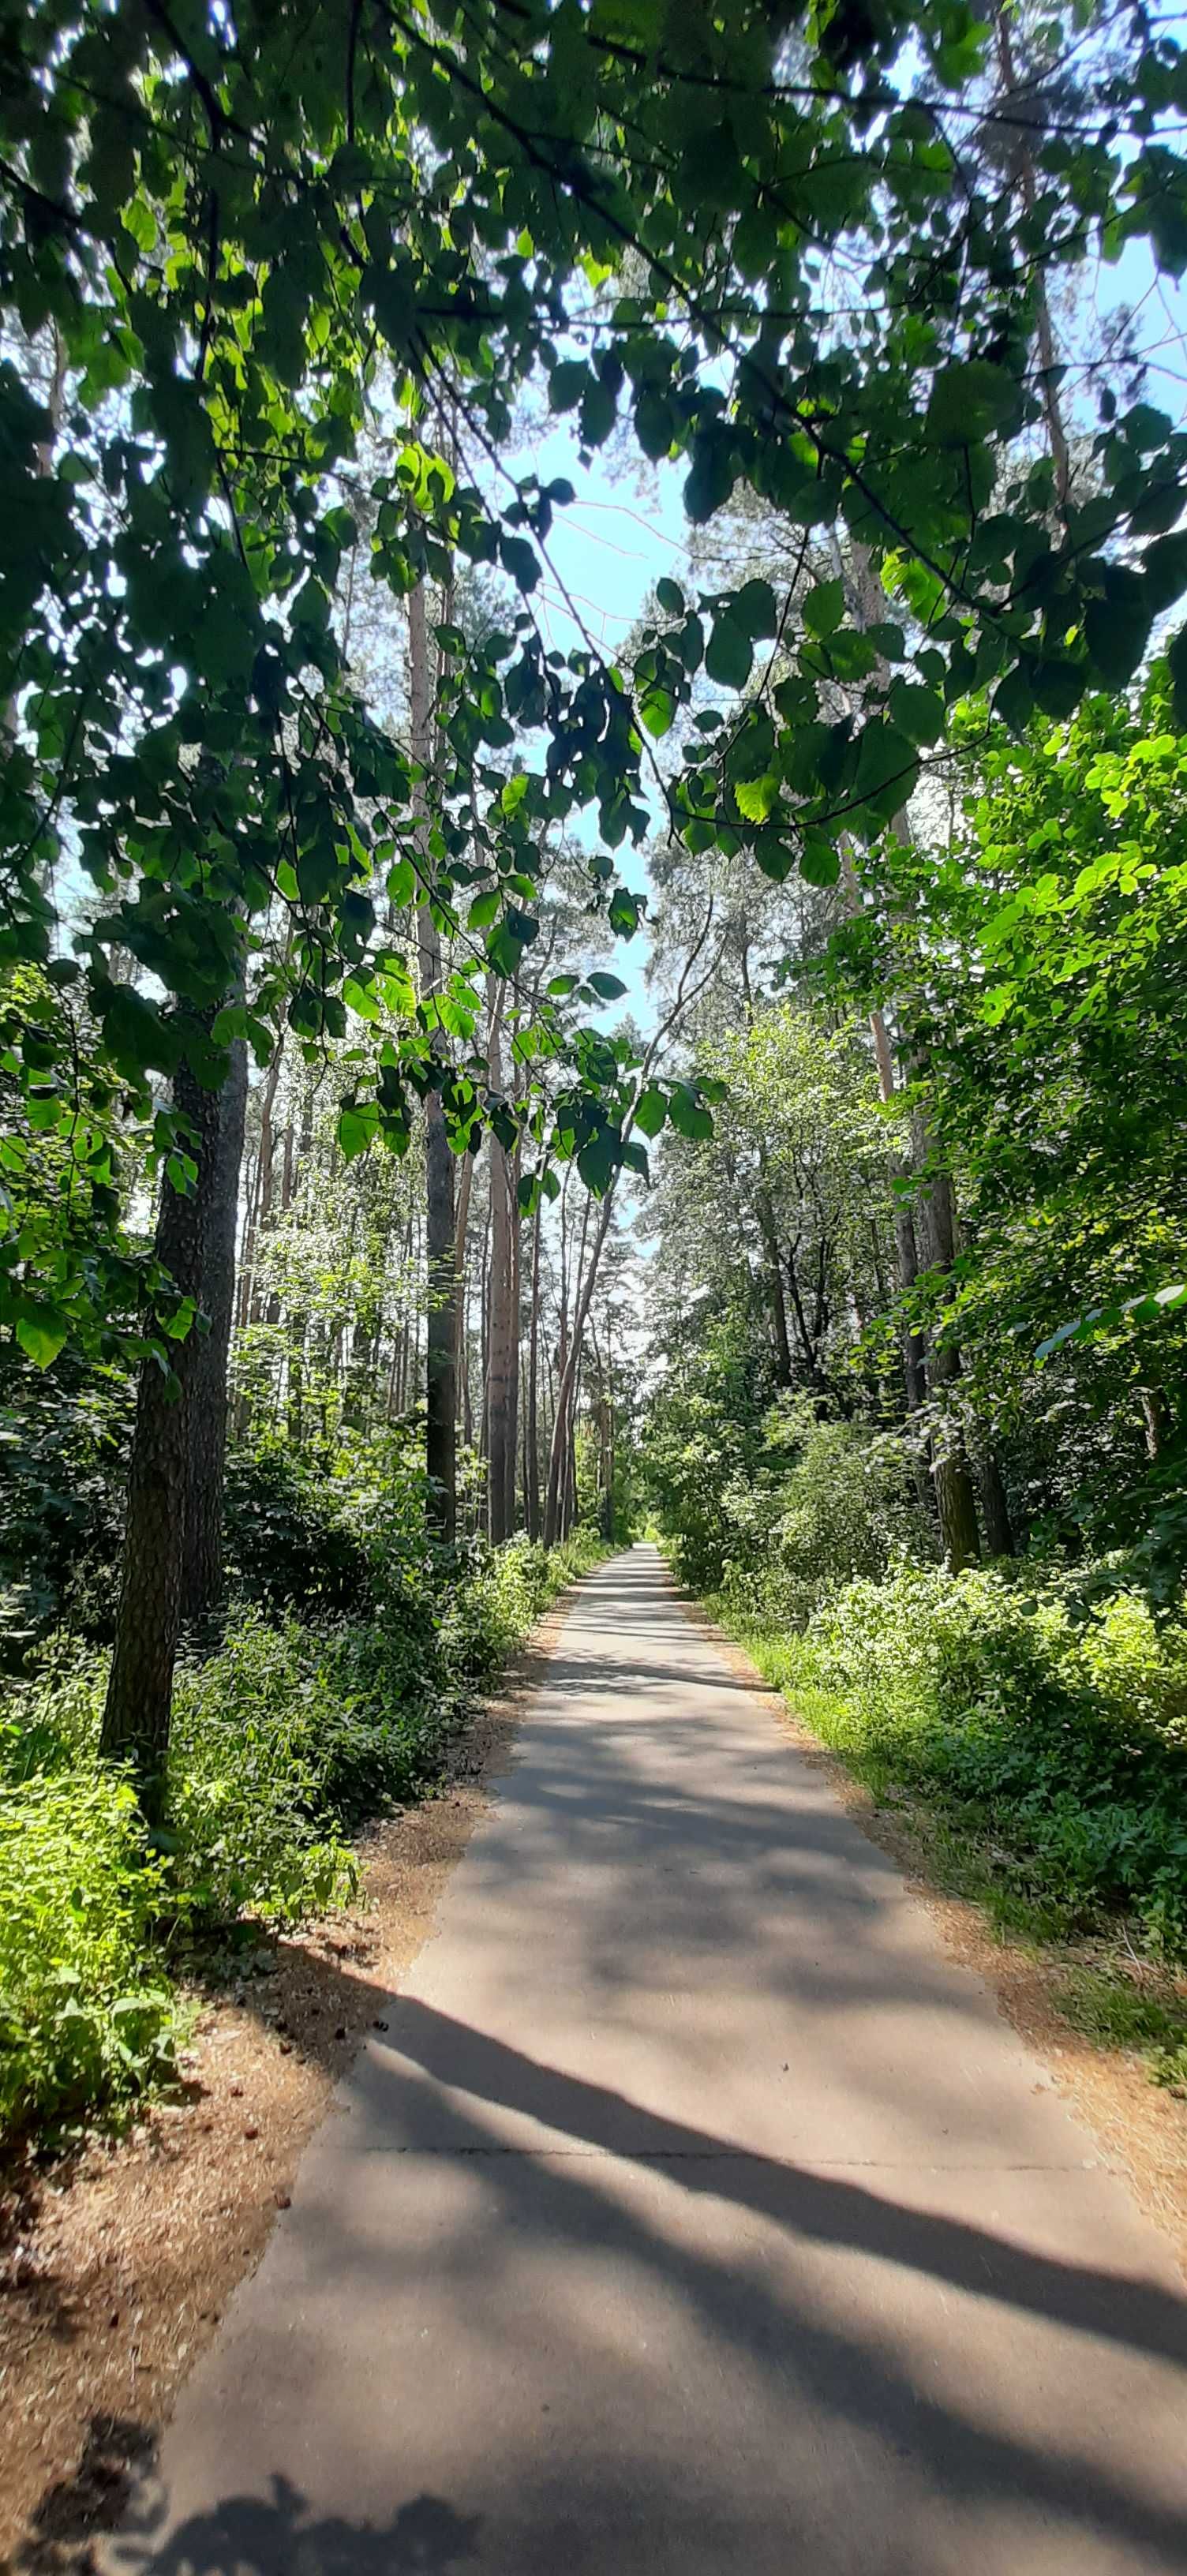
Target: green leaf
x=1013, y=699
x=1058, y=684
x=712, y=479
x=730, y=655
x=775, y=856
x=820, y=863
x=359, y=998
x=598, y=410
x=483, y=909
x=520, y=560
x=401, y=883
x=655, y=425
x=41, y=1336
x=670, y=596
x=357, y=1126
x=598, y=1161
x=971, y=401
x=756, y=798
x=887, y=768
x=824, y=607
x=609, y=988
x=1117, y=627
x=919, y=713
x=755, y=608
x=688, y=1115
x=651, y=1109
x=567, y=383
x=657, y=707
x=1164, y=570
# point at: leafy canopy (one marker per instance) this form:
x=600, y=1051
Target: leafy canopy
x=767, y=246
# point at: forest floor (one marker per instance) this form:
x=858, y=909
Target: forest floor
x=116, y=2266
x=116, y=2263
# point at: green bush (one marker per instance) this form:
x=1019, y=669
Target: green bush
x=86, y=2016
x=288, y=1544
x=250, y=1828
x=284, y=1737
x=506, y=1590
x=836, y=1501
x=1061, y=1743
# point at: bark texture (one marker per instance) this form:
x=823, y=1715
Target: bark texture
x=206, y=1447
x=148, y=1621
x=440, y=1231
x=502, y=1377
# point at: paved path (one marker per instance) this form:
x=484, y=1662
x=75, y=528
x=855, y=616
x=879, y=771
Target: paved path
x=694, y=2214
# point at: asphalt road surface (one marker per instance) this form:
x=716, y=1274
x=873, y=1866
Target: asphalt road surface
x=695, y=2212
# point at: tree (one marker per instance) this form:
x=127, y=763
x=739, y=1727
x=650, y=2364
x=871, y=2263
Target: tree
x=258, y=240
x=188, y=1247
x=206, y=1428
x=442, y=1334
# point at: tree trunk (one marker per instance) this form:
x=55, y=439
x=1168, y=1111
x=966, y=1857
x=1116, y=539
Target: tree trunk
x=531, y=1490
x=766, y=1217
x=441, y=1321
x=956, y=1501
x=503, y=1336
x=148, y=1620
x=1153, y=1404
x=995, y=1508
x=1024, y=169
x=770, y=1237
x=202, y=1575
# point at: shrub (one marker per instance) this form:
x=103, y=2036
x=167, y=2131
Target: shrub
x=285, y=1736
x=1061, y=1743
x=837, y=1501
x=85, y=2016
x=288, y=1542
x=250, y=1826
x=504, y=1592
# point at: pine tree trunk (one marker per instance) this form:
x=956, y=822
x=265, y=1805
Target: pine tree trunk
x=503, y=1336
x=770, y=1237
x=202, y=1575
x=531, y=1490
x=441, y=1322
x=148, y=1621
x=956, y=1500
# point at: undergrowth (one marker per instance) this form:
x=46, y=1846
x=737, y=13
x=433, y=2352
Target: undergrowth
x=1118, y=2013
x=287, y=1732
x=1044, y=1738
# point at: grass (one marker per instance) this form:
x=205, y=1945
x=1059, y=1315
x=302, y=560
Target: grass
x=1143, y=2020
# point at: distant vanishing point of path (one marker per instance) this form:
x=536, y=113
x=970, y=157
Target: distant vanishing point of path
x=694, y=2212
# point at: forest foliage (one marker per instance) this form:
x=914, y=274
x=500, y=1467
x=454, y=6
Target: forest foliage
x=373, y=1251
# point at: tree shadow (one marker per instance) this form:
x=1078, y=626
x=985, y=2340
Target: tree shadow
x=275, y=2535
x=820, y=2206
x=242, y=2535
